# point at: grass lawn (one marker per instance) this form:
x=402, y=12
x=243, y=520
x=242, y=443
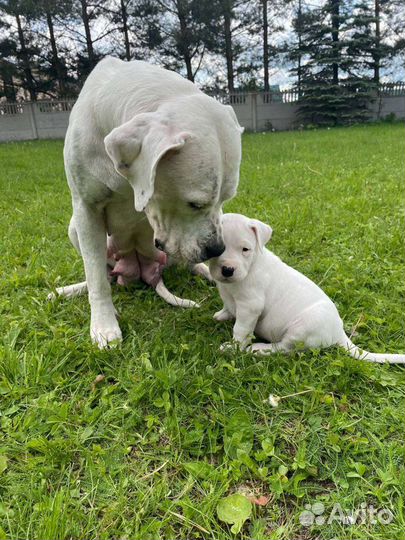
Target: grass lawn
x=174, y=426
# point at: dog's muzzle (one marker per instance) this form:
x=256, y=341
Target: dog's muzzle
x=212, y=250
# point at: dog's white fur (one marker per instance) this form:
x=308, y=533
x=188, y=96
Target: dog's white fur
x=146, y=151
x=269, y=298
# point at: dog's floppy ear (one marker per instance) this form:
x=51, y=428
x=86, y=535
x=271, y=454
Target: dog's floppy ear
x=136, y=148
x=262, y=232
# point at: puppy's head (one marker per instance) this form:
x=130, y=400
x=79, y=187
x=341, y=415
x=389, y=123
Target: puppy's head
x=244, y=238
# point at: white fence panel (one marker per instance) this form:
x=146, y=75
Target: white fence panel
x=255, y=111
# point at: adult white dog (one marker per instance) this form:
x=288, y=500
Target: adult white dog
x=271, y=299
x=146, y=153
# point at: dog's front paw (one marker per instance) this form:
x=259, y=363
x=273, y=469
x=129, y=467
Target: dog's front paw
x=106, y=335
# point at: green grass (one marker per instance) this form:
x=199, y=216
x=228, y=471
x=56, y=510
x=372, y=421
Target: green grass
x=175, y=426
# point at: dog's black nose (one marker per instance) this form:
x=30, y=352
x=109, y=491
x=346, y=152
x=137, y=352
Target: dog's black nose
x=227, y=271
x=159, y=244
x=214, y=250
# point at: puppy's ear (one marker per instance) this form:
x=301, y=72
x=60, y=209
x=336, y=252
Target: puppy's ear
x=136, y=148
x=262, y=232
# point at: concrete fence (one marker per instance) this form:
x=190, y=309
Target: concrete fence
x=279, y=110
x=255, y=111
x=34, y=120
x=262, y=111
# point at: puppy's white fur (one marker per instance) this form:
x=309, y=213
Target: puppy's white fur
x=145, y=149
x=269, y=298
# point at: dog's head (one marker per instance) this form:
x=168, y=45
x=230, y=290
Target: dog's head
x=244, y=238
x=180, y=176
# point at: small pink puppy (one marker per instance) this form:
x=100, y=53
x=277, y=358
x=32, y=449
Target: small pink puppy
x=128, y=267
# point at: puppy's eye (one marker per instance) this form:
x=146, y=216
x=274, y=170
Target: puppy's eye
x=196, y=206
x=245, y=249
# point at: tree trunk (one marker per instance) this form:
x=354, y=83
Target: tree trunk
x=377, y=42
x=190, y=74
x=89, y=41
x=124, y=16
x=265, y=46
x=184, y=45
x=55, y=57
x=335, y=40
x=228, y=45
x=29, y=79
x=299, y=29
x=8, y=84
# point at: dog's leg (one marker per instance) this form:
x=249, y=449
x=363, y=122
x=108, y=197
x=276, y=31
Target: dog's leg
x=91, y=234
x=244, y=327
x=245, y=324
x=223, y=315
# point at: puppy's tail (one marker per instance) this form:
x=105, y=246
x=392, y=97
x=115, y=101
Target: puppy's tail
x=171, y=299
x=78, y=289
x=70, y=291
x=380, y=358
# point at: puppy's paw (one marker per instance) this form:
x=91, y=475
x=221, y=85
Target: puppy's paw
x=222, y=315
x=258, y=348
x=106, y=336
x=232, y=346
x=228, y=346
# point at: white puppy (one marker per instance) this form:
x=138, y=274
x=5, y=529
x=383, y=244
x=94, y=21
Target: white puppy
x=269, y=298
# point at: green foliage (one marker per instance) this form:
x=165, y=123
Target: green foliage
x=338, y=52
x=174, y=427
x=238, y=435
x=235, y=510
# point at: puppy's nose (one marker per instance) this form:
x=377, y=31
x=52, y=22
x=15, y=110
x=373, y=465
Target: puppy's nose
x=214, y=250
x=227, y=271
x=159, y=244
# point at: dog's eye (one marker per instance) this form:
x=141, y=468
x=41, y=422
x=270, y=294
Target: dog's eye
x=195, y=206
x=245, y=249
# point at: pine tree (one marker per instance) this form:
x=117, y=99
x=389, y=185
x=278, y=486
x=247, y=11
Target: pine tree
x=177, y=31
x=359, y=61
x=43, y=16
x=392, y=32
x=8, y=69
x=26, y=52
x=269, y=28
x=338, y=53
x=238, y=32
x=322, y=100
